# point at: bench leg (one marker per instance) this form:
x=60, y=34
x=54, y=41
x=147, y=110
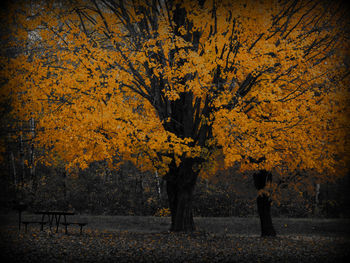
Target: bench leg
x=25, y=227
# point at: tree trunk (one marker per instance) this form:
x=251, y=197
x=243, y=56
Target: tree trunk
x=21, y=154
x=32, y=156
x=317, y=200
x=180, y=203
x=180, y=186
x=15, y=182
x=159, y=190
x=264, y=203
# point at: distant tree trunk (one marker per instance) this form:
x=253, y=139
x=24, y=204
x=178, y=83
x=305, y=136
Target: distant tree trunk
x=21, y=154
x=32, y=156
x=14, y=170
x=140, y=193
x=264, y=203
x=180, y=186
x=65, y=186
x=317, y=200
x=159, y=190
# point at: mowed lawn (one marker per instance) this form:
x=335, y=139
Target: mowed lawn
x=146, y=239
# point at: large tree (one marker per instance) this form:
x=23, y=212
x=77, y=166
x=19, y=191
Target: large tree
x=169, y=84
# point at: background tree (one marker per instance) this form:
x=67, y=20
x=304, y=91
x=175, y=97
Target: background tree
x=306, y=142
x=169, y=84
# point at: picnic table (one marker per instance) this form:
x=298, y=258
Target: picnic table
x=51, y=215
x=54, y=218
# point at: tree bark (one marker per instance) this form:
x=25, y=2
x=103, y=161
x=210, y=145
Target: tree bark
x=264, y=203
x=159, y=189
x=32, y=156
x=21, y=154
x=15, y=182
x=317, y=200
x=180, y=186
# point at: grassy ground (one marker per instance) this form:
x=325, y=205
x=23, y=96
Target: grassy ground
x=146, y=239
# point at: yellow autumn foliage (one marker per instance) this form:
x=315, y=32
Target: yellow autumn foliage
x=104, y=84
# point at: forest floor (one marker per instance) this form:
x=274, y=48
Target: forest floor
x=146, y=239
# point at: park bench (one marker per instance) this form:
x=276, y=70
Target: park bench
x=54, y=217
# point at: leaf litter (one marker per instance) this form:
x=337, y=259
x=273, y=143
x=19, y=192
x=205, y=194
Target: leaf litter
x=130, y=246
